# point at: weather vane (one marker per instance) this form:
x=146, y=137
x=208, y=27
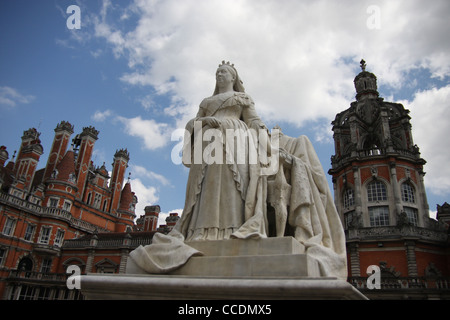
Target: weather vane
x=363, y=65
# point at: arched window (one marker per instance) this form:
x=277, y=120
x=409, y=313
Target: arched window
x=88, y=200
x=372, y=146
x=105, y=203
x=349, y=198
x=25, y=264
x=376, y=191
x=408, y=194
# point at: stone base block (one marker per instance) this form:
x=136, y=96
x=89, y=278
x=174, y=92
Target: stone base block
x=254, y=247
x=272, y=268
x=269, y=257
x=152, y=287
x=286, y=265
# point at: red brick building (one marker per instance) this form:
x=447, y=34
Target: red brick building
x=68, y=199
x=107, y=252
x=379, y=192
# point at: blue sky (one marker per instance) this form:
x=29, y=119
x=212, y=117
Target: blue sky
x=137, y=70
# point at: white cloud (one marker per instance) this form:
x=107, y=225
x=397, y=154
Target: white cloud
x=144, y=173
x=430, y=113
x=297, y=59
x=147, y=102
x=147, y=195
x=153, y=134
x=322, y=132
x=11, y=97
x=163, y=215
x=101, y=116
x=97, y=53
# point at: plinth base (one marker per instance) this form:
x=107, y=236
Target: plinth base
x=271, y=268
x=269, y=257
x=152, y=287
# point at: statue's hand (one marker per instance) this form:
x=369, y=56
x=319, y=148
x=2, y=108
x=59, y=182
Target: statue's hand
x=285, y=157
x=211, y=121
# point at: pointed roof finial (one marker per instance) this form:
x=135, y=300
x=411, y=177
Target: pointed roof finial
x=363, y=65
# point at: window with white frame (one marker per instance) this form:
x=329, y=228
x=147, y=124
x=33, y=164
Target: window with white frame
x=27, y=292
x=72, y=177
x=379, y=216
x=376, y=191
x=54, y=174
x=44, y=293
x=8, y=228
x=97, y=200
x=35, y=200
x=53, y=202
x=67, y=205
x=88, y=200
x=2, y=256
x=29, y=232
x=349, y=198
x=412, y=215
x=408, y=194
x=46, y=266
x=349, y=218
x=44, y=237
x=59, y=238
x=105, y=203
x=18, y=193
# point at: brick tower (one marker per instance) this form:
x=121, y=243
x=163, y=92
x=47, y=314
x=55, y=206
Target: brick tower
x=126, y=210
x=379, y=191
x=377, y=170
x=63, y=131
x=151, y=218
x=85, y=141
x=120, y=164
x=28, y=157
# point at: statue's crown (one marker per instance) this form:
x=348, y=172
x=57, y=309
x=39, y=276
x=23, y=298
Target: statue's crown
x=226, y=64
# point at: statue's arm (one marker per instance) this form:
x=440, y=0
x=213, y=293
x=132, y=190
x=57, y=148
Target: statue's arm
x=203, y=117
x=249, y=114
x=200, y=115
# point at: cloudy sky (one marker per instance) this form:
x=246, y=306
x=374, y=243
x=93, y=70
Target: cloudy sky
x=137, y=71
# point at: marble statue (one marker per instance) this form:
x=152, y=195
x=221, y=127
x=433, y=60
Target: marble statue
x=239, y=175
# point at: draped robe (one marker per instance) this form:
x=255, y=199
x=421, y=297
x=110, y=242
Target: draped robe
x=219, y=196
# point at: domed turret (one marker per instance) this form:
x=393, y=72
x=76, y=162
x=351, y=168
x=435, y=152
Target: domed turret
x=365, y=84
x=3, y=155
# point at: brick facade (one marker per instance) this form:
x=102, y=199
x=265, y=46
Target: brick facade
x=68, y=199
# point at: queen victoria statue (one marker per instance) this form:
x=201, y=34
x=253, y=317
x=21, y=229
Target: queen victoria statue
x=246, y=182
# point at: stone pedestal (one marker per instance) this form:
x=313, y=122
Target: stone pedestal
x=271, y=268
x=152, y=287
x=270, y=257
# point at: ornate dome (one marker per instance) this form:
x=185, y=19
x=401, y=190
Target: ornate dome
x=365, y=84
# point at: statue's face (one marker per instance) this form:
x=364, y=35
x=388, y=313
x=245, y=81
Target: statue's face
x=224, y=76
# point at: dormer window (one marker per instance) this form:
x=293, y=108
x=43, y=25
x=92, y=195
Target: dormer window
x=54, y=174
